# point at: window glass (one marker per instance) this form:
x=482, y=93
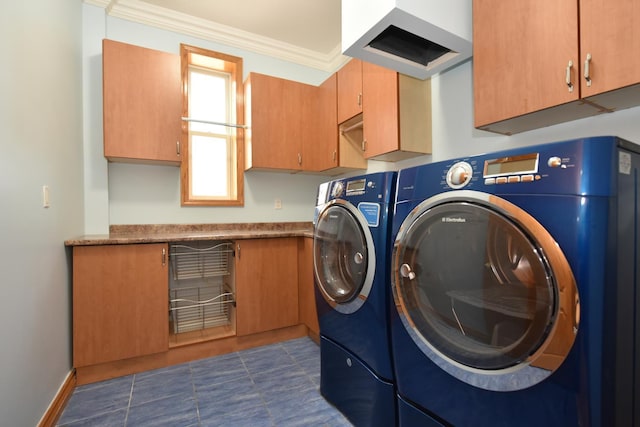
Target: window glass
x=212, y=128
x=209, y=159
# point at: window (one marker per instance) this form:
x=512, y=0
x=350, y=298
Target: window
x=212, y=130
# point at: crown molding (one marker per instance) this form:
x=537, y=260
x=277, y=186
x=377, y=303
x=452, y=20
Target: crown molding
x=159, y=17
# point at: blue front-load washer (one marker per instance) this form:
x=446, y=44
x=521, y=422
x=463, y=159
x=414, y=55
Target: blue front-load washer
x=351, y=264
x=515, y=288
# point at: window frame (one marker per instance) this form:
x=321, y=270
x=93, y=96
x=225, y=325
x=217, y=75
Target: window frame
x=232, y=65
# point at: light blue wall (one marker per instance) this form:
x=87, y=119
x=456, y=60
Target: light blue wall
x=41, y=144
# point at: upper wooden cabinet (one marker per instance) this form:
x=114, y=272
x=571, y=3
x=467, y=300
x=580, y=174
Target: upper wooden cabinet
x=385, y=114
x=266, y=284
x=293, y=127
x=609, y=36
x=396, y=114
x=288, y=125
x=319, y=140
x=539, y=63
x=349, y=90
x=345, y=152
x=120, y=302
x=274, y=120
x=142, y=104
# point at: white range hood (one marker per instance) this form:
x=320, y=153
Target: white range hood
x=414, y=37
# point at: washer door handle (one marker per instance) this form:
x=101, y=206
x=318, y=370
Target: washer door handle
x=406, y=272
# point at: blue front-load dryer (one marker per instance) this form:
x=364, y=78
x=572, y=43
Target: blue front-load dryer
x=351, y=264
x=515, y=288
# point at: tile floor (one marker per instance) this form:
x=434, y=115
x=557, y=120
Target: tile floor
x=274, y=385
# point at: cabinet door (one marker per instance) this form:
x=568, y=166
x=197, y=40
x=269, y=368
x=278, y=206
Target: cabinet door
x=266, y=284
x=307, y=303
x=396, y=113
x=120, y=302
x=274, y=116
x=350, y=90
x=521, y=51
x=320, y=137
x=380, y=110
x=609, y=33
x=142, y=103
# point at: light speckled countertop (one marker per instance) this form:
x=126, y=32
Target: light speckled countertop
x=159, y=233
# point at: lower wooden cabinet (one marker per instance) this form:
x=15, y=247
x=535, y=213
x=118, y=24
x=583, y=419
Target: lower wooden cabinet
x=266, y=284
x=306, y=292
x=120, y=302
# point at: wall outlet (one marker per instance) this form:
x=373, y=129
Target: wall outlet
x=277, y=204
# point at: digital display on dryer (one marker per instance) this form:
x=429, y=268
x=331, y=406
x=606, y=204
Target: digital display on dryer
x=525, y=163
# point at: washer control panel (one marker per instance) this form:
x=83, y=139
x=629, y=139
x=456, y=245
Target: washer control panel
x=353, y=187
x=338, y=189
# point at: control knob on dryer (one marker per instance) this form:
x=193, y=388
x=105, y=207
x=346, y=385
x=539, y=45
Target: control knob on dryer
x=459, y=175
x=554, y=162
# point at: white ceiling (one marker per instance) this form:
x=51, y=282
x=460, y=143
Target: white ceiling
x=306, y=32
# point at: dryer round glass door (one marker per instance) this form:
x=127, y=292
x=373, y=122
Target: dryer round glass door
x=344, y=256
x=484, y=290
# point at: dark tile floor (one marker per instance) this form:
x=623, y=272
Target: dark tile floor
x=274, y=385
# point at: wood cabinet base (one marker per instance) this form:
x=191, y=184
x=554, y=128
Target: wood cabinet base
x=186, y=353
x=194, y=337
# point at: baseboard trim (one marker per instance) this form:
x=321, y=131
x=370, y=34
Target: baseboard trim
x=51, y=416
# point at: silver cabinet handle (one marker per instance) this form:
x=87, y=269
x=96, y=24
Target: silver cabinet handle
x=164, y=256
x=364, y=145
x=568, y=76
x=299, y=158
x=360, y=99
x=238, y=250
x=587, y=75
x=178, y=148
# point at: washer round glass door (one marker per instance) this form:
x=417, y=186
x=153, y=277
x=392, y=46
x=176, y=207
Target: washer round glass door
x=344, y=256
x=484, y=290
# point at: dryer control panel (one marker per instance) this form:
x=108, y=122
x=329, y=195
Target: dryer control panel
x=502, y=168
x=557, y=168
x=499, y=170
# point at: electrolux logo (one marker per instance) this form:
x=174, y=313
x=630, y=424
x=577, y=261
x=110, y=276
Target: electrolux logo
x=450, y=219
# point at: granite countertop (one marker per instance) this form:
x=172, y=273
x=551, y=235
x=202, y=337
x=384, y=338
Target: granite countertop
x=160, y=233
